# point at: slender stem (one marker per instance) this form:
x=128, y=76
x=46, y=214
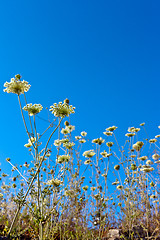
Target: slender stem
x=29, y=116
x=29, y=187
x=18, y=171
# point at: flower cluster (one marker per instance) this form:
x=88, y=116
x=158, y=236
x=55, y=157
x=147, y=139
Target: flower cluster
x=16, y=86
x=89, y=153
x=62, y=109
x=33, y=109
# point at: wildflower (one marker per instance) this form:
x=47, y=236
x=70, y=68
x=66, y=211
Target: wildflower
x=152, y=140
x=33, y=109
x=68, y=145
x=104, y=154
x=157, y=136
x=149, y=162
x=138, y=145
x=14, y=185
x=89, y=153
x=119, y=187
x=85, y=188
x=104, y=175
x=143, y=158
x=65, y=131
x=107, y=133
x=82, y=140
x=63, y=158
x=142, y=124
x=133, y=167
x=153, y=196
x=131, y=129
x=93, y=188
x=119, y=204
x=83, y=134
x=130, y=134
x=117, y=167
x=62, y=109
x=111, y=129
x=66, y=123
x=14, y=179
x=88, y=161
x=146, y=168
x=57, y=143
x=158, y=161
x=98, y=141
x=70, y=128
x=28, y=145
x=4, y=175
x=26, y=165
x=109, y=144
x=155, y=156
x=55, y=182
x=16, y=86
x=115, y=183
x=152, y=184
x=133, y=156
x=78, y=137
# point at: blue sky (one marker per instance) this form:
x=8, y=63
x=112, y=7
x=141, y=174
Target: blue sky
x=102, y=55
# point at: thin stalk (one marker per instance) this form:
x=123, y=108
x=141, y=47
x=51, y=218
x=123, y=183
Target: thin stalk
x=30, y=185
x=29, y=116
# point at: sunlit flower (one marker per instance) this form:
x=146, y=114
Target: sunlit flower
x=54, y=182
x=89, y=153
x=111, y=129
x=133, y=167
x=88, y=161
x=152, y=184
x=70, y=128
x=157, y=136
x=153, y=196
x=107, y=133
x=104, y=175
x=104, y=154
x=85, y=188
x=149, y=162
x=117, y=167
x=33, y=109
x=65, y=131
x=93, y=188
x=152, y=140
x=143, y=158
x=68, y=145
x=146, y=168
x=119, y=187
x=16, y=86
x=78, y=137
x=62, y=109
x=83, y=134
x=57, y=143
x=130, y=134
x=63, y=158
x=82, y=140
x=142, y=124
x=109, y=144
x=115, y=183
x=138, y=145
x=155, y=156
x=98, y=141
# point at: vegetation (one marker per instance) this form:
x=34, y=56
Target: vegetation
x=77, y=188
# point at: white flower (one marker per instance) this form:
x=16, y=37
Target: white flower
x=63, y=158
x=83, y=134
x=16, y=86
x=62, y=109
x=89, y=153
x=33, y=109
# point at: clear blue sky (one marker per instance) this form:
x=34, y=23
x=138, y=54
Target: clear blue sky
x=103, y=55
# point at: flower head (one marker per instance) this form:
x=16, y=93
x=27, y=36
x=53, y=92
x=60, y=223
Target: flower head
x=98, y=141
x=83, y=134
x=33, y=109
x=62, y=109
x=63, y=158
x=111, y=129
x=138, y=145
x=89, y=153
x=55, y=182
x=16, y=86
